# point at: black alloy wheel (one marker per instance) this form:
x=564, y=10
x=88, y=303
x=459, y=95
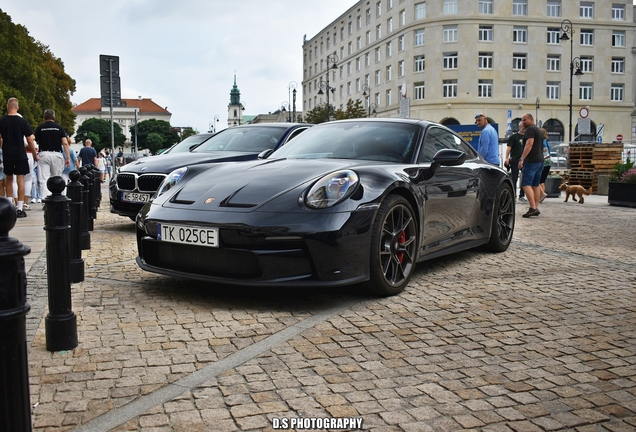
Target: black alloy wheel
x=503, y=220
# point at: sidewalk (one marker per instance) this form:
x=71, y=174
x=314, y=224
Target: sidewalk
x=477, y=341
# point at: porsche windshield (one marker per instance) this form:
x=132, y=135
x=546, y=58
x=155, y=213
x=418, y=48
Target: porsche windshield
x=379, y=141
x=243, y=139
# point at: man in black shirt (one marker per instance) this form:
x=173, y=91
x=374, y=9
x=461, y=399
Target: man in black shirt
x=13, y=131
x=52, y=141
x=514, y=149
x=532, y=164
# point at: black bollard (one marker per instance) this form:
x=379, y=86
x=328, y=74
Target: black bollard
x=15, y=399
x=74, y=192
x=61, y=322
x=92, y=195
x=97, y=184
x=88, y=187
x=85, y=217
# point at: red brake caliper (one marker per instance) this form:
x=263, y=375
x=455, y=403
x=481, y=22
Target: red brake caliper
x=401, y=240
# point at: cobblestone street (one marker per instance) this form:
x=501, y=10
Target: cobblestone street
x=542, y=337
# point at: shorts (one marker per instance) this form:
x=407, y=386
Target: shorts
x=16, y=167
x=545, y=172
x=532, y=174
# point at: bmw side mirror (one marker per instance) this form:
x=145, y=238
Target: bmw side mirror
x=265, y=153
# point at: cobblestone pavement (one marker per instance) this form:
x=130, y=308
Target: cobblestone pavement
x=542, y=337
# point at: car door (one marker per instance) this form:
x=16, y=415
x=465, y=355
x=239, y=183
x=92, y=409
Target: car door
x=450, y=195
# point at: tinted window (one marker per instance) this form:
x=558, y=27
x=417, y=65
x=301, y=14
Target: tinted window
x=437, y=139
x=187, y=144
x=243, y=139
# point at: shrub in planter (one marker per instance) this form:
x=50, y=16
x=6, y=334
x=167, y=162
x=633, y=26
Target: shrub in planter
x=622, y=191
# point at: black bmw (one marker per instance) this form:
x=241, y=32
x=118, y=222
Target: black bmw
x=346, y=202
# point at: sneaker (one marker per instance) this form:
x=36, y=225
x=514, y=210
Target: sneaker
x=32, y=200
x=39, y=200
x=26, y=207
x=531, y=212
x=21, y=214
x=543, y=195
x=523, y=199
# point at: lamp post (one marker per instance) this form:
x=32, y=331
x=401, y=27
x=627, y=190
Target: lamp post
x=283, y=107
x=372, y=108
x=536, y=111
x=292, y=86
x=322, y=85
x=213, y=123
x=366, y=92
x=568, y=34
x=294, y=106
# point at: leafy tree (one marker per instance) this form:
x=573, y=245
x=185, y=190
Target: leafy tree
x=98, y=130
x=30, y=72
x=187, y=132
x=354, y=110
x=319, y=114
x=153, y=126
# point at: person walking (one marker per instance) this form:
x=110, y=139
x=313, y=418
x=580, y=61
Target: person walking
x=101, y=165
x=488, y=140
x=531, y=163
x=13, y=130
x=54, y=150
x=547, y=164
x=70, y=167
x=514, y=149
x=87, y=154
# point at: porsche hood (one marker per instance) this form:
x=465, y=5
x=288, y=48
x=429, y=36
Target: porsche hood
x=165, y=164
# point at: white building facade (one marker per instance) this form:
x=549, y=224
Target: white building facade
x=446, y=60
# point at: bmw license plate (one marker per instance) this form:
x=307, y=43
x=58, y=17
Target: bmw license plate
x=135, y=197
x=188, y=235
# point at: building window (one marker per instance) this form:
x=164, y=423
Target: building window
x=585, y=91
x=389, y=25
x=377, y=77
x=449, y=88
x=450, y=33
x=378, y=31
x=450, y=7
x=341, y=33
x=348, y=68
x=586, y=10
x=518, y=89
x=587, y=64
x=402, y=18
x=618, y=12
x=377, y=54
x=349, y=48
x=341, y=71
x=389, y=4
x=553, y=90
x=519, y=61
x=418, y=91
x=378, y=8
x=359, y=22
x=358, y=86
x=401, y=68
x=420, y=11
x=358, y=64
x=328, y=43
x=484, y=89
x=368, y=16
x=485, y=6
x=369, y=37
x=420, y=38
x=618, y=65
x=367, y=59
x=554, y=35
x=618, y=38
x=450, y=61
x=342, y=52
x=485, y=60
x=377, y=99
x=616, y=93
x=520, y=34
x=485, y=33
x=388, y=73
x=349, y=88
x=388, y=97
x=389, y=49
x=520, y=7
x=350, y=28
x=359, y=43
x=420, y=63
x=554, y=62
x=587, y=37
x=366, y=79
x=401, y=43
x=554, y=8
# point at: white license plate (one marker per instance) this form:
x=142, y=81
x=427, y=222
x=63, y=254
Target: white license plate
x=135, y=197
x=188, y=235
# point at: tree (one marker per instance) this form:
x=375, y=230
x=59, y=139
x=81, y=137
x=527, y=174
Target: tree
x=188, y=132
x=153, y=126
x=30, y=72
x=318, y=114
x=354, y=110
x=98, y=131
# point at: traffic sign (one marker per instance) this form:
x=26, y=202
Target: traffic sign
x=619, y=137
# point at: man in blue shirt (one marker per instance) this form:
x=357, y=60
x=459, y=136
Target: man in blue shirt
x=488, y=140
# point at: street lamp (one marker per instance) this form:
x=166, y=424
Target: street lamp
x=292, y=86
x=568, y=34
x=372, y=110
x=322, y=85
x=294, y=106
x=366, y=92
x=213, y=124
x=536, y=111
x=283, y=107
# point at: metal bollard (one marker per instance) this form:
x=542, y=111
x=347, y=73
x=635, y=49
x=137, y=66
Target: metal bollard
x=88, y=187
x=84, y=216
x=61, y=322
x=15, y=399
x=74, y=192
x=92, y=193
x=97, y=184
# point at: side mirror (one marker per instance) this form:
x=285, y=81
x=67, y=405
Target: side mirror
x=444, y=157
x=265, y=153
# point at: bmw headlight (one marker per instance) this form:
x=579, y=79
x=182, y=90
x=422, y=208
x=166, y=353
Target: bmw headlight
x=171, y=180
x=331, y=189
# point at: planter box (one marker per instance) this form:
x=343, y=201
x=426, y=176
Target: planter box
x=622, y=194
x=552, y=186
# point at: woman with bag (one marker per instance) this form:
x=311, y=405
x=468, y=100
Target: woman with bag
x=547, y=164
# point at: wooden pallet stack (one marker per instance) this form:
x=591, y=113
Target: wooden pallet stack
x=589, y=160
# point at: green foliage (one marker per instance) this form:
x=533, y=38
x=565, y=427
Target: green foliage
x=153, y=126
x=620, y=169
x=187, y=132
x=98, y=130
x=354, y=110
x=30, y=72
x=318, y=114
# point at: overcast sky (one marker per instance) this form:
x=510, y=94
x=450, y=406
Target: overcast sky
x=182, y=53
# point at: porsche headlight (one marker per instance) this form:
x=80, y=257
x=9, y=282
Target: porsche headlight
x=331, y=189
x=171, y=180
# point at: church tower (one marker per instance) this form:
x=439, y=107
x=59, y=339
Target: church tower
x=235, y=108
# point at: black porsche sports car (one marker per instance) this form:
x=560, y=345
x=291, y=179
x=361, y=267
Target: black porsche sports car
x=138, y=181
x=348, y=201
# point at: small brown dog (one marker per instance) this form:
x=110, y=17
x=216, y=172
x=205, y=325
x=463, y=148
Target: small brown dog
x=575, y=190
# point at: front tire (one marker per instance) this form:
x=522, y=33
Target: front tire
x=503, y=220
x=393, y=247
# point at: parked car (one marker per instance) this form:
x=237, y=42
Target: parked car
x=138, y=181
x=348, y=201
